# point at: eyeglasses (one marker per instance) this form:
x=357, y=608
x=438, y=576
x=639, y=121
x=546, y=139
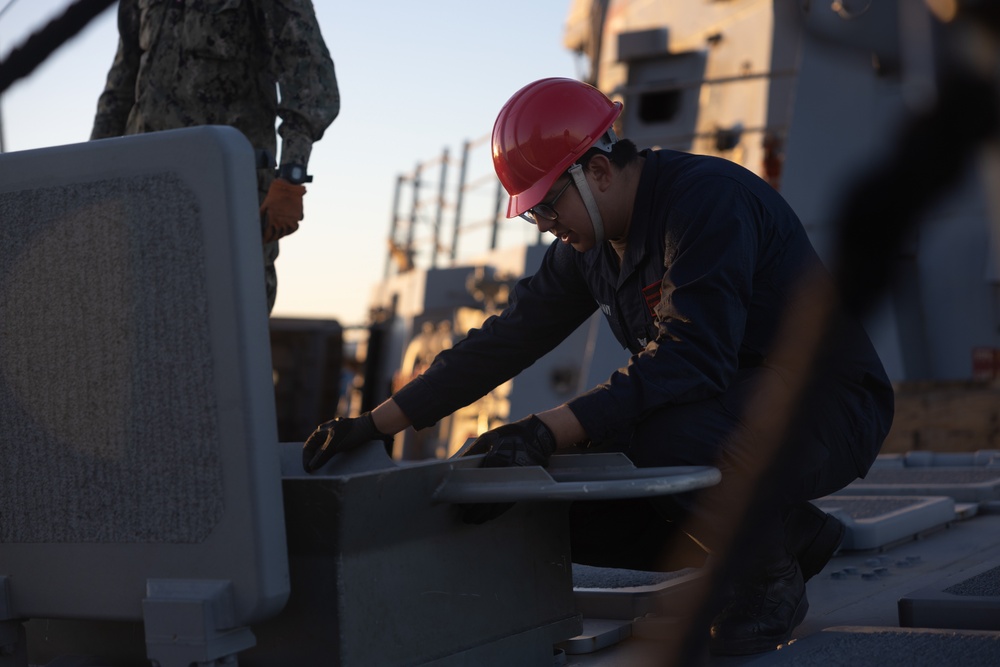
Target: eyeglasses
x=545, y=211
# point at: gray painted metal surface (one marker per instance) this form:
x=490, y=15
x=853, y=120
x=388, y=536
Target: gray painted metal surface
x=812, y=96
x=919, y=563
x=926, y=459
x=860, y=589
x=979, y=484
x=968, y=600
x=877, y=521
x=572, y=477
x=611, y=599
x=137, y=408
x=874, y=646
x=384, y=574
x=377, y=550
x=597, y=634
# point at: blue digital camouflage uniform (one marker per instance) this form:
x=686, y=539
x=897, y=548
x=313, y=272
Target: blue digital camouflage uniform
x=183, y=63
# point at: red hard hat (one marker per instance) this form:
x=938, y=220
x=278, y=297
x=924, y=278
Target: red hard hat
x=543, y=129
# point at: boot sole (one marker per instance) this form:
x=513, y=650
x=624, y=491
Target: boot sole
x=760, y=643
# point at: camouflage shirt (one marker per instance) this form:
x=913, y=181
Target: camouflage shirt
x=182, y=63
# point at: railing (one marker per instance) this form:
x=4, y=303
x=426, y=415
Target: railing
x=445, y=201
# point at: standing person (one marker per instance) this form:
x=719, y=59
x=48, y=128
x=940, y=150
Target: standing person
x=699, y=267
x=182, y=63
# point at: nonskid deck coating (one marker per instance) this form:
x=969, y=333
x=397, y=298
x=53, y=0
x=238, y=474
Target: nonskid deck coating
x=865, y=597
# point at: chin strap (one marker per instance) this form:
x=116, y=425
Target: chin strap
x=576, y=171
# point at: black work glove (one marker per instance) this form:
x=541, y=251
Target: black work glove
x=526, y=442
x=338, y=435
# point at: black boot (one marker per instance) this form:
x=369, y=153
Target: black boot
x=763, y=611
x=812, y=536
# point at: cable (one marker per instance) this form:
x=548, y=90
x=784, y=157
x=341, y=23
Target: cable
x=23, y=60
x=7, y=6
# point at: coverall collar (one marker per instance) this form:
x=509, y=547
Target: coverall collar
x=636, y=250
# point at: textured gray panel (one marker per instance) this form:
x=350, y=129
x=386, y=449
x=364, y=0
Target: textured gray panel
x=974, y=484
x=941, y=475
x=969, y=600
x=136, y=401
x=888, y=646
x=986, y=583
x=868, y=507
x=384, y=575
x=611, y=593
x=876, y=521
x=89, y=386
x=587, y=576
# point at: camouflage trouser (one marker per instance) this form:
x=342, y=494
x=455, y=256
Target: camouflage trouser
x=264, y=178
x=270, y=275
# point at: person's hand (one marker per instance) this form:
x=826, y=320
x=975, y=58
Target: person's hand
x=282, y=209
x=526, y=442
x=338, y=435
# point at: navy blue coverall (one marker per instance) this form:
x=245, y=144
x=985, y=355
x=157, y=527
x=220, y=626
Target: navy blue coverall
x=713, y=260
